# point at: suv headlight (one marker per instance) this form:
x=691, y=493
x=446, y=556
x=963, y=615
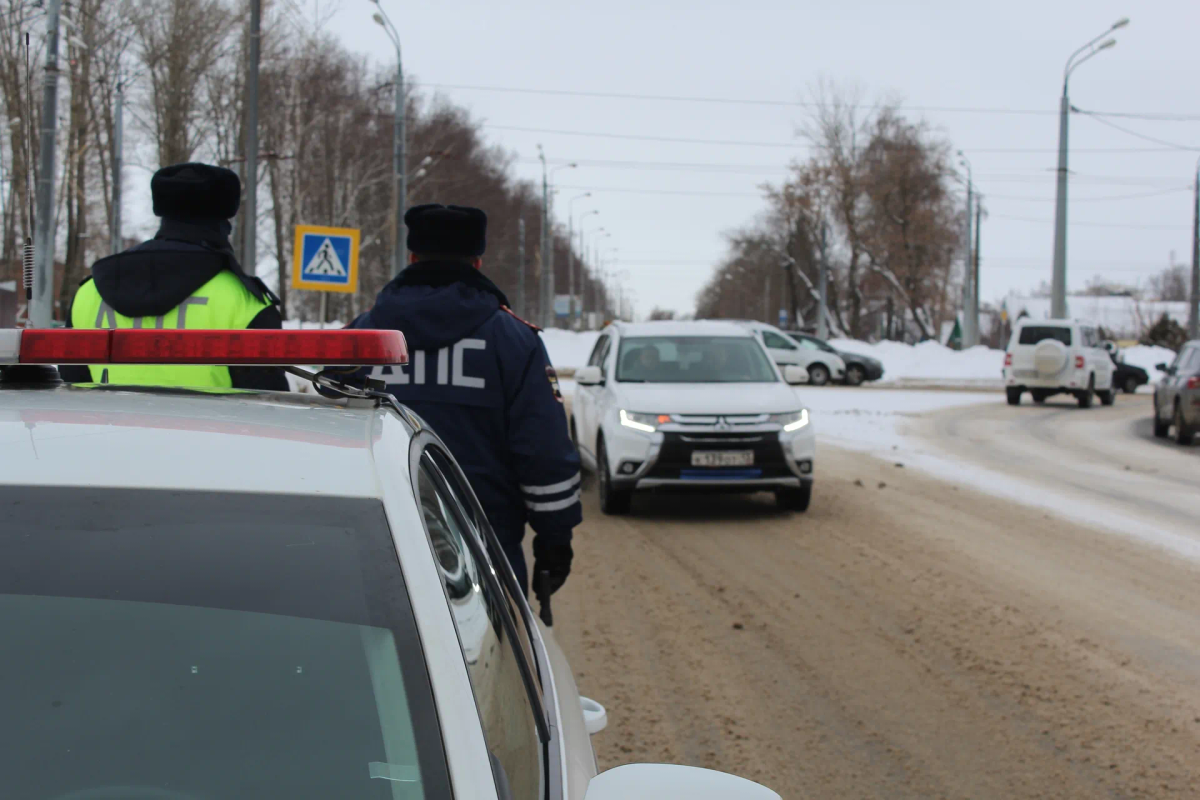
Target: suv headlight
x=792, y=421
x=646, y=423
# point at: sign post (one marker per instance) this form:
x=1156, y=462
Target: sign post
x=325, y=260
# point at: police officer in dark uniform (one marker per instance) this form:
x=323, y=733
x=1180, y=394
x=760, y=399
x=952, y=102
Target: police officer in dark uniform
x=481, y=378
x=185, y=277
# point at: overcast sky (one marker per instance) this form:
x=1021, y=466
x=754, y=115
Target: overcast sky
x=667, y=202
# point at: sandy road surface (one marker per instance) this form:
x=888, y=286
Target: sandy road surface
x=905, y=638
x=1103, y=462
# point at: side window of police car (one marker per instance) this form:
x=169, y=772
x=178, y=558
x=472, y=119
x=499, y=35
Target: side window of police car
x=506, y=710
x=776, y=342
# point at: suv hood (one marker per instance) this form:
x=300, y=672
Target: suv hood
x=709, y=398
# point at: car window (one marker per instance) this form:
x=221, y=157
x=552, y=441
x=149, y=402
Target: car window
x=210, y=644
x=599, y=351
x=693, y=359
x=777, y=342
x=809, y=341
x=1192, y=364
x=505, y=708
x=1032, y=334
x=809, y=344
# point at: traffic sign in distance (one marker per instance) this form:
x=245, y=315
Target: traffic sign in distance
x=325, y=259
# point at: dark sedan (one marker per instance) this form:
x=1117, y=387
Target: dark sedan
x=859, y=368
x=1126, y=377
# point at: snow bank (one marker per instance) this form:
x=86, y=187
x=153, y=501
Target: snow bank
x=930, y=362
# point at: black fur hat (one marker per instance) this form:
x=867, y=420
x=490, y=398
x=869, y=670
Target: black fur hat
x=196, y=191
x=446, y=230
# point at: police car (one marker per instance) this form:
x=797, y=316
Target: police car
x=223, y=594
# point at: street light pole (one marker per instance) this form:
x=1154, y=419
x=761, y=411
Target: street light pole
x=1194, y=307
x=399, y=156
x=1058, y=284
x=966, y=335
x=822, y=292
x=118, y=158
x=250, y=212
x=571, y=251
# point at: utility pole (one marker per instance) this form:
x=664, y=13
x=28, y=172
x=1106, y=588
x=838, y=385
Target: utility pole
x=41, y=304
x=767, y=300
x=521, y=267
x=968, y=293
x=542, y=260
x=822, y=282
x=118, y=156
x=975, y=333
x=1194, y=307
x=791, y=282
x=399, y=155
x=250, y=214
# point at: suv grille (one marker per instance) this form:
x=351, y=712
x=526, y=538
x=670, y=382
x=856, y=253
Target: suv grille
x=675, y=456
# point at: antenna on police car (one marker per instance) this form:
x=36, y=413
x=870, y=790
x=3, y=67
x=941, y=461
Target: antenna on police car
x=27, y=250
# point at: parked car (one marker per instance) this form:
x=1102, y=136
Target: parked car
x=823, y=366
x=859, y=368
x=1127, y=377
x=235, y=594
x=1058, y=356
x=1177, y=396
x=691, y=406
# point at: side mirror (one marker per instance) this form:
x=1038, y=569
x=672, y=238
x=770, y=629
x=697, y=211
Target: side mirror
x=656, y=781
x=1161, y=367
x=795, y=375
x=589, y=376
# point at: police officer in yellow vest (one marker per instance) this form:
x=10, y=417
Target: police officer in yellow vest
x=185, y=277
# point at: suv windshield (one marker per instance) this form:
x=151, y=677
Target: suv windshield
x=1032, y=334
x=208, y=645
x=693, y=359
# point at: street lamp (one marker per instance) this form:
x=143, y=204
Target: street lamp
x=571, y=250
x=968, y=334
x=547, y=282
x=399, y=168
x=1058, y=289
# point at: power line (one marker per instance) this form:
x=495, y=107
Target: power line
x=797, y=145
x=1115, y=126
x=1048, y=221
x=1137, y=196
x=789, y=103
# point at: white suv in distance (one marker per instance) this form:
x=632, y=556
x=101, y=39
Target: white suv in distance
x=677, y=406
x=1049, y=357
x=823, y=366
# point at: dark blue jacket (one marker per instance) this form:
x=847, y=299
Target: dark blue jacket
x=482, y=380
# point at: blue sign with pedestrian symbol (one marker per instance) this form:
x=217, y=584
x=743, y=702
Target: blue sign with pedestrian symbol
x=325, y=259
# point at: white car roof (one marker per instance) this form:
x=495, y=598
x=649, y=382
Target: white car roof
x=159, y=439
x=684, y=328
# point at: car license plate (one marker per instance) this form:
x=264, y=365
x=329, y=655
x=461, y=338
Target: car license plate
x=722, y=458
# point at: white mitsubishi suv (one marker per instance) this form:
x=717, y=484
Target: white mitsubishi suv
x=677, y=406
x=1058, y=356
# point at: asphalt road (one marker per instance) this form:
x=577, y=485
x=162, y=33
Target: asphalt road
x=907, y=637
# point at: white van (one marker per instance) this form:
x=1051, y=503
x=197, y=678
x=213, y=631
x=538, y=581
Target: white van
x=1058, y=356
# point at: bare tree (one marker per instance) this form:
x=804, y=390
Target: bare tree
x=1172, y=284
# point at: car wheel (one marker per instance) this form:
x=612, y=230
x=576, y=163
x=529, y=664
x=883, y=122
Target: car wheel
x=1161, y=429
x=1109, y=397
x=1014, y=396
x=1183, y=434
x=855, y=375
x=818, y=374
x=1038, y=397
x=612, y=501
x=1085, y=397
x=1131, y=385
x=796, y=499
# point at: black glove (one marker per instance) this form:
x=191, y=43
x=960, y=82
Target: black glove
x=551, y=566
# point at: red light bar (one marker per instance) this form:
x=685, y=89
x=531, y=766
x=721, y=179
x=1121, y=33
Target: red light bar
x=224, y=347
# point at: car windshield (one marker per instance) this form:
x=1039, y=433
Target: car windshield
x=204, y=645
x=693, y=359
x=1032, y=334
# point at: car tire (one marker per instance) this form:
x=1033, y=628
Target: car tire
x=1161, y=429
x=1183, y=434
x=1109, y=397
x=1085, y=397
x=613, y=502
x=1014, y=396
x=855, y=375
x=1038, y=397
x=818, y=374
x=794, y=499
x=1131, y=385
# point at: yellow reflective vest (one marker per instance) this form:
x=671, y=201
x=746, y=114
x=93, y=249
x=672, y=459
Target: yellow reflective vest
x=222, y=303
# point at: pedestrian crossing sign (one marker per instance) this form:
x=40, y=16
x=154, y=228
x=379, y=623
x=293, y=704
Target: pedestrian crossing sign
x=325, y=259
